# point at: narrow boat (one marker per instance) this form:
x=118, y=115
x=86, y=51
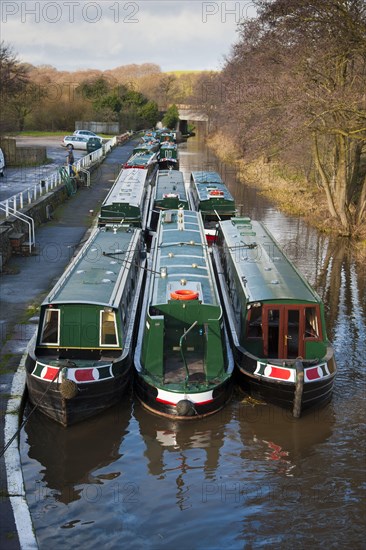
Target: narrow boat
x=183, y=360
x=128, y=200
x=146, y=148
x=147, y=161
x=277, y=322
x=211, y=197
x=168, y=193
x=150, y=136
x=79, y=362
x=166, y=135
x=168, y=156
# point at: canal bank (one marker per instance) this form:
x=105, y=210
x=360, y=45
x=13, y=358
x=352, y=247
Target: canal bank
x=24, y=283
x=290, y=190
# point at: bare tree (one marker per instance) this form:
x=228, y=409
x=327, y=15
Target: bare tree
x=298, y=76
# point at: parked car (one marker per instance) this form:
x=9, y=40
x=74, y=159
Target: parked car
x=87, y=133
x=75, y=142
x=2, y=163
x=93, y=144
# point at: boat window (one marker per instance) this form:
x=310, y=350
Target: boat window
x=292, y=333
x=51, y=327
x=311, y=323
x=108, y=329
x=273, y=332
x=255, y=322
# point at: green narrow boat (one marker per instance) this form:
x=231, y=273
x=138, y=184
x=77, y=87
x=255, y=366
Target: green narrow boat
x=211, y=197
x=183, y=359
x=168, y=193
x=80, y=361
x=277, y=322
x=168, y=156
x=128, y=200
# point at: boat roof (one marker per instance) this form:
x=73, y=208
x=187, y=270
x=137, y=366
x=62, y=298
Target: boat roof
x=181, y=254
x=206, y=191
x=141, y=159
x=96, y=274
x=145, y=148
x=206, y=177
x=264, y=270
x=170, y=182
x=168, y=145
x=129, y=187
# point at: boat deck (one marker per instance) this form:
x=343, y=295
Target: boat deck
x=175, y=371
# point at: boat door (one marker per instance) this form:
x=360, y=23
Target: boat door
x=281, y=332
x=80, y=326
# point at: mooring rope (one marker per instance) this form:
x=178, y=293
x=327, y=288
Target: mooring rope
x=6, y=447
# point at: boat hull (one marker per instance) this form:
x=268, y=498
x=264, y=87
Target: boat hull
x=89, y=400
x=288, y=395
x=171, y=404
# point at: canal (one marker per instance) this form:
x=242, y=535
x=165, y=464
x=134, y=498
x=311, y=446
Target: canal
x=249, y=476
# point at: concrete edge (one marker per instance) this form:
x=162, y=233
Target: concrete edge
x=14, y=475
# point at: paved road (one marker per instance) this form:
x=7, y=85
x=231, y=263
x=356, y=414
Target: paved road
x=20, y=178
x=23, y=284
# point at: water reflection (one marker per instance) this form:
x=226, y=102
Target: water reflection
x=271, y=434
x=177, y=449
x=71, y=457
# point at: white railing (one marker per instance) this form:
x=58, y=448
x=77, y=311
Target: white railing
x=15, y=203
x=30, y=222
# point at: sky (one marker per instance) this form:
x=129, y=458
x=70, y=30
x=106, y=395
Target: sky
x=73, y=35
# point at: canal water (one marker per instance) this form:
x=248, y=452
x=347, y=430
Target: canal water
x=247, y=477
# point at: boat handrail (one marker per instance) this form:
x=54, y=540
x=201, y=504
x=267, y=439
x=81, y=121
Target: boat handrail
x=181, y=349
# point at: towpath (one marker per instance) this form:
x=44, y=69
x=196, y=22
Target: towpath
x=24, y=283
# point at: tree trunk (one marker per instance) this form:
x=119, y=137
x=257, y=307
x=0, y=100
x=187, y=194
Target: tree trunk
x=340, y=192
x=362, y=203
x=323, y=177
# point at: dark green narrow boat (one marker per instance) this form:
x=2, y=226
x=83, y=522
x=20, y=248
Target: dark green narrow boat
x=183, y=359
x=168, y=156
x=277, y=323
x=128, y=200
x=168, y=193
x=80, y=361
x=211, y=197
x=166, y=135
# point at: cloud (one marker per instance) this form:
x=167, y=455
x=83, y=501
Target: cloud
x=72, y=35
